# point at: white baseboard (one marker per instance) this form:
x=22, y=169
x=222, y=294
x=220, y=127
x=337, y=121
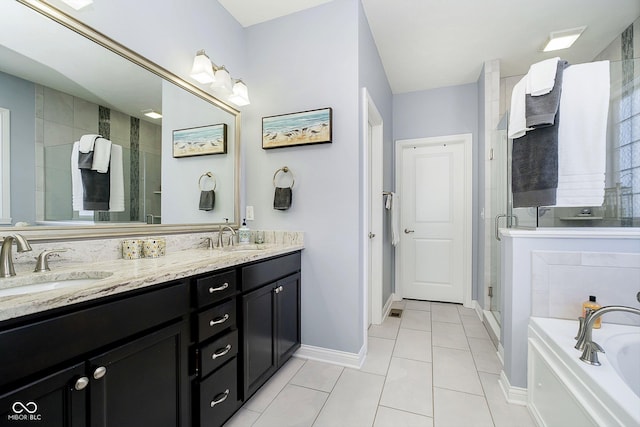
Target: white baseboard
x=335, y=357
x=387, y=307
x=515, y=395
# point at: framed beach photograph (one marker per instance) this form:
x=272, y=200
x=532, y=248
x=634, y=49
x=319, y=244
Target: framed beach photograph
x=306, y=127
x=200, y=141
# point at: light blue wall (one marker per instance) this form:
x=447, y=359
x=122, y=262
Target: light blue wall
x=19, y=96
x=306, y=61
x=437, y=112
x=372, y=76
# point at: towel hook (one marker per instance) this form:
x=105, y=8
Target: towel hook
x=210, y=175
x=284, y=169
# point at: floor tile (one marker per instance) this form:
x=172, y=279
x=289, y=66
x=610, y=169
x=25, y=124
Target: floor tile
x=456, y=409
x=416, y=319
x=265, y=395
x=412, y=344
x=418, y=305
x=389, y=417
x=408, y=386
x=387, y=329
x=467, y=312
x=504, y=414
x=449, y=335
x=445, y=313
x=353, y=401
x=242, y=418
x=399, y=304
x=485, y=355
x=294, y=406
x=379, y=351
x=455, y=370
x=317, y=375
x=476, y=330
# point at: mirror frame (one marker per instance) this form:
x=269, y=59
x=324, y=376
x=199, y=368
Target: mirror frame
x=49, y=233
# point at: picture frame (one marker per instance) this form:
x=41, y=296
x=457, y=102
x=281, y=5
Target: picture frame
x=200, y=141
x=302, y=128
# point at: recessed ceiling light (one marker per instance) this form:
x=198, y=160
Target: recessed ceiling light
x=562, y=39
x=153, y=114
x=78, y=4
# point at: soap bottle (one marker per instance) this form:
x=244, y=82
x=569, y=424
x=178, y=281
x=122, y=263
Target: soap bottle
x=593, y=305
x=244, y=234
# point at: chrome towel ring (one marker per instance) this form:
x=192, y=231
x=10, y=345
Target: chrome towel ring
x=209, y=175
x=285, y=170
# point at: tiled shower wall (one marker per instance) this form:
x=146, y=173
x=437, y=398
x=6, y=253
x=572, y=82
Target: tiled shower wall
x=60, y=120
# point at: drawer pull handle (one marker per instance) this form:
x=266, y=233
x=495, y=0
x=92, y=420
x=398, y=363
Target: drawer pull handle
x=219, y=320
x=221, y=352
x=222, y=287
x=220, y=398
x=81, y=383
x=99, y=372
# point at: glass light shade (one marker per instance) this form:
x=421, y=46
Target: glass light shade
x=240, y=95
x=202, y=69
x=222, y=83
x=78, y=4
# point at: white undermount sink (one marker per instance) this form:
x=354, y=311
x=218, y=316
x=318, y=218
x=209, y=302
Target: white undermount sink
x=244, y=248
x=50, y=282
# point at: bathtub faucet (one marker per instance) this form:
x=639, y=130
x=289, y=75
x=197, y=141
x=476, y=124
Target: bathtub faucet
x=584, y=339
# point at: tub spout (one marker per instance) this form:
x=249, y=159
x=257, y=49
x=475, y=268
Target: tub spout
x=590, y=348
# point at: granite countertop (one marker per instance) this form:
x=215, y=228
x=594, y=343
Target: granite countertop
x=126, y=275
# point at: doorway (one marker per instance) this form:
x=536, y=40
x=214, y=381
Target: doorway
x=372, y=225
x=433, y=179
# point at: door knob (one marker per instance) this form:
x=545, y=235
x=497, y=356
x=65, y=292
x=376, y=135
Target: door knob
x=407, y=231
x=99, y=372
x=371, y=235
x=81, y=383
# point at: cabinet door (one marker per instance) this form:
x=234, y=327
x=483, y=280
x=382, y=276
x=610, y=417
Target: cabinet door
x=287, y=317
x=143, y=382
x=58, y=400
x=258, y=336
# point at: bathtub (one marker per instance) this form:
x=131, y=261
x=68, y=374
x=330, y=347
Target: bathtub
x=564, y=391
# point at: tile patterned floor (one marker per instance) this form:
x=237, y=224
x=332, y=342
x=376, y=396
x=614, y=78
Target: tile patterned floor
x=435, y=367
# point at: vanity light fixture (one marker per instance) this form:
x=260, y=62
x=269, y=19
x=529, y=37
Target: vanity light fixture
x=240, y=95
x=562, y=39
x=78, y=4
x=226, y=88
x=153, y=114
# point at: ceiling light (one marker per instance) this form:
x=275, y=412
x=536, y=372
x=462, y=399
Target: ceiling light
x=78, y=4
x=562, y=39
x=202, y=69
x=153, y=114
x=240, y=95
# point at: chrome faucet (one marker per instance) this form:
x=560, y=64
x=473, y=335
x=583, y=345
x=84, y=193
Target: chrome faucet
x=590, y=348
x=6, y=257
x=220, y=231
x=42, y=264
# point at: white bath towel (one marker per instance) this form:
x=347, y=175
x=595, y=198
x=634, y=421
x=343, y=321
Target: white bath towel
x=116, y=170
x=87, y=142
x=116, y=180
x=395, y=219
x=101, y=155
x=584, y=108
x=517, y=119
x=541, y=77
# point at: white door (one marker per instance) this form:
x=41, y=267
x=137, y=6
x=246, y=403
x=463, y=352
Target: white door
x=435, y=194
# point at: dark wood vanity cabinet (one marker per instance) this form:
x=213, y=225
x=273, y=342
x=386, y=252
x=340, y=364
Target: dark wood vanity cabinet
x=270, y=318
x=117, y=363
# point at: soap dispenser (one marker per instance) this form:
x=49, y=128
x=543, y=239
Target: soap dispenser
x=593, y=305
x=244, y=233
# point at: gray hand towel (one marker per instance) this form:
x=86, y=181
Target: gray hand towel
x=207, y=200
x=282, y=198
x=96, y=190
x=541, y=110
x=85, y=160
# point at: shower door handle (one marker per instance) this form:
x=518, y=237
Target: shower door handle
x=498, y=222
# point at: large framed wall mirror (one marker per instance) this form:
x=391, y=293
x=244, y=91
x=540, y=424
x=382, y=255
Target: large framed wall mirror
x=65, y=81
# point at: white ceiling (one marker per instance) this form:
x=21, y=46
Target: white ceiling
x=426, y=44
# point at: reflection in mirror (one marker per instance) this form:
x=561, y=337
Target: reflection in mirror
x=59, y=85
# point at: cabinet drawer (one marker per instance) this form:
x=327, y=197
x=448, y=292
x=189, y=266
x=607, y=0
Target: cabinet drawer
x=216, y=320
x=215, y=354
x=214, y=288
x=219, y=395
x=261, y=273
